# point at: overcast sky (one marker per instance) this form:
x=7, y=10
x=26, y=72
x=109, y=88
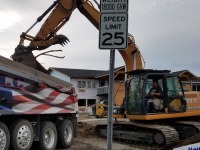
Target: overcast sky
x=166, y=32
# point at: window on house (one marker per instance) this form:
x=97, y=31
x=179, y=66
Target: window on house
x=93, y=84
x=102, y=83
x=89, y=84
x=198, y=87
x=82, y=102
x=91, y=102
x=194, y=88
x=81, y=84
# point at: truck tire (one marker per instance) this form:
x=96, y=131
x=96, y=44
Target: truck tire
x=21, y=133
x=65, y=131
x=48, y=136
x=4, y=137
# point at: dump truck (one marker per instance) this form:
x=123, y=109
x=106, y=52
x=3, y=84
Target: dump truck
x=35, y=107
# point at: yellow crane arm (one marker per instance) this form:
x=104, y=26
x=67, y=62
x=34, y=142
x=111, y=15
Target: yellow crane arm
x=60, y=12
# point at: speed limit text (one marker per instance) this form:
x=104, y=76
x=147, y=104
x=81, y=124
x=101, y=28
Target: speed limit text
x=114, y=18
x=114, y=22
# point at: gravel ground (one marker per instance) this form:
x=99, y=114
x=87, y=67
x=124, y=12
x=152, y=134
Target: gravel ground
x=96, y=143
x=87, y=140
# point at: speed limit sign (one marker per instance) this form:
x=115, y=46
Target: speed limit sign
x=113, y=31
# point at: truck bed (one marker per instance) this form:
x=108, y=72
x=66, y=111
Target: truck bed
x=24, y=90
x=19, y=71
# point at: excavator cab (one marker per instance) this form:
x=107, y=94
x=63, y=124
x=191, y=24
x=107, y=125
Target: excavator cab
x=137, y=88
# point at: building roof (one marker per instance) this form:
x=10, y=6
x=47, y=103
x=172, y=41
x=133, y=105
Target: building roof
x=196, y=80
x=106, y=73
x=79, y=73
x=88, y=74
x=186, y=75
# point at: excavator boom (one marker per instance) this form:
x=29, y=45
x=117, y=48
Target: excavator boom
x=60, y=13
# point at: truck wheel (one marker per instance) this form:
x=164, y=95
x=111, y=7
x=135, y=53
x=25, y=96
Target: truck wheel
x=65, y=130
x=4, y=137
x=48, y=136
x=21, y=133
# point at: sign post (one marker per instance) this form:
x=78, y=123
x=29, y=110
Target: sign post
x=113, y=33
x=110, y=100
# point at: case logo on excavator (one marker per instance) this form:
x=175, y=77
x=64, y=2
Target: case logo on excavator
x=193, y=103
x=192, y=100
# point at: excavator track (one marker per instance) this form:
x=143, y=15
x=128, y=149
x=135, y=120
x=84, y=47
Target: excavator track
x=192, y=138
x=170, y=134
x=192, y=123
x=186, y=129
x=151, y=136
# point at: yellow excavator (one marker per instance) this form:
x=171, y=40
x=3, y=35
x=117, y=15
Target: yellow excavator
x=100, y=109
x=178, y=119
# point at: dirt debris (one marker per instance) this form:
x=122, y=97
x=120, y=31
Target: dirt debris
x=86, y=135
x=194, y=139
x=85, y=129
x=88, y=140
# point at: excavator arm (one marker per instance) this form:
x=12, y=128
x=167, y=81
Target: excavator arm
x=60, y=12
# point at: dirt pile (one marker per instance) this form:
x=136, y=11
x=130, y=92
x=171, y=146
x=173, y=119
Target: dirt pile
x=85, y=129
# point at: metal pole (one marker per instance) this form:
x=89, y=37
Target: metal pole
x=43, y=15
x=110, y=100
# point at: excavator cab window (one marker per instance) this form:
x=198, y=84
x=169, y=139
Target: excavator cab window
x=149, y=84
x=135, y=95
x=175, y=94
x=138, y=88
x=174, y=87
x=172, y=93
x=153, y=103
